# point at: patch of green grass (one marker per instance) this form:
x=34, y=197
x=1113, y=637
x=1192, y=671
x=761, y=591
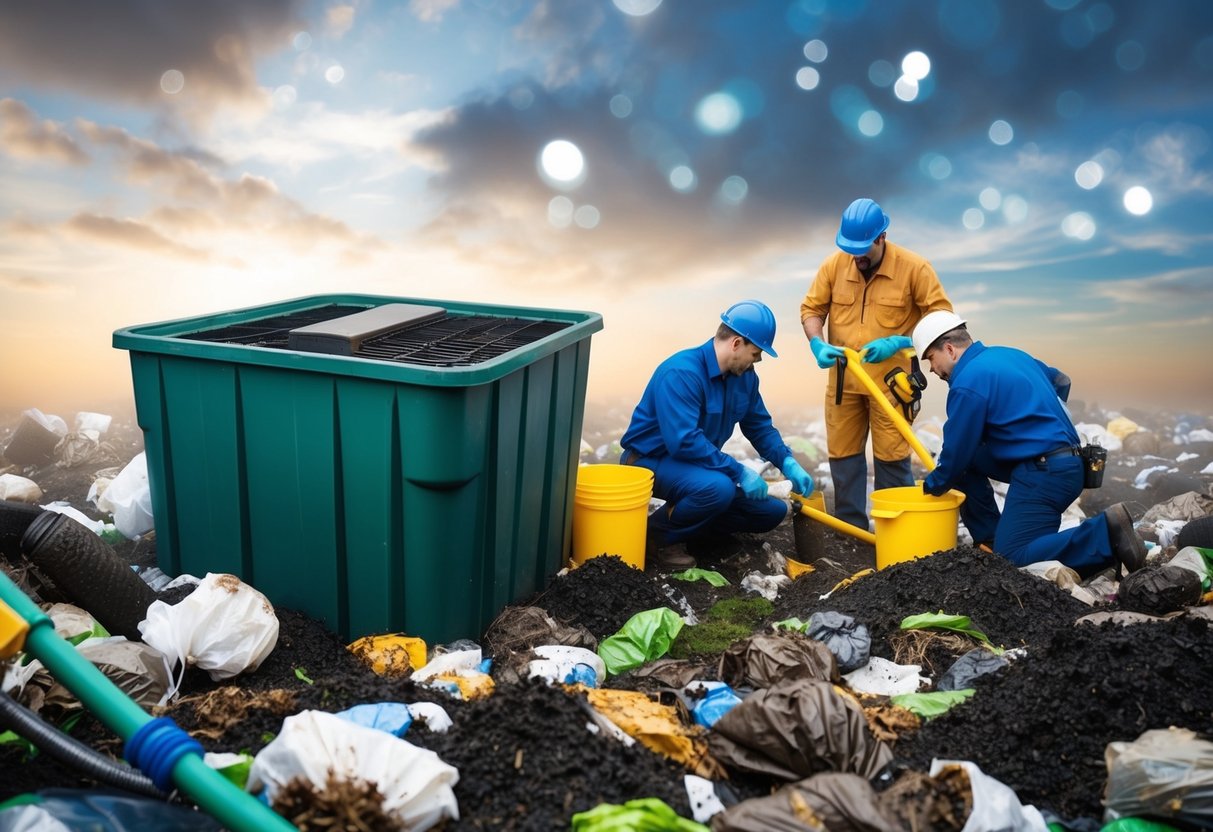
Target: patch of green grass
x=727, y=621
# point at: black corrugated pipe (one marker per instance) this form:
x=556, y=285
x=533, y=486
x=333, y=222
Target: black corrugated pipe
x=71, y=752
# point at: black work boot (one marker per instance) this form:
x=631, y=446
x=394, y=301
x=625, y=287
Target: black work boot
x=672, y=558
x=1127, y=547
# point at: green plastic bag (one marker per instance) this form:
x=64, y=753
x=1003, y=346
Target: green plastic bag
x=933, y=704
x=696, y=574
x=792, y=624
x=648, y=814
x=646, y=636
x=1137, y=825
x=942, y=621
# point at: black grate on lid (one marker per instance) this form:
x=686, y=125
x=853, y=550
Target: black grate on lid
x=271, y=332
x=449, y=341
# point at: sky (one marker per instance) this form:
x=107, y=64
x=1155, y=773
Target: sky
x=650, y=160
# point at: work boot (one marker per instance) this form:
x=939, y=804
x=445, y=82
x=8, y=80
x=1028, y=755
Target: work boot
x=1127, y=547
x=671, y=558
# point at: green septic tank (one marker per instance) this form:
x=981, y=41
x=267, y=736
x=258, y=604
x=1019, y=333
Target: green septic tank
x=381, y=464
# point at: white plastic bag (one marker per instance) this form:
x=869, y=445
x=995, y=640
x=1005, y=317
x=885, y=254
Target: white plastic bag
x=557, y=661
x=100, y=422
x=62, y=507
x=416, y=785
x=19, y=489
x=129, y=498
x=224, y=627
x=995, y=806
x=1166, y=773
x=50, y=421
x=887, y=678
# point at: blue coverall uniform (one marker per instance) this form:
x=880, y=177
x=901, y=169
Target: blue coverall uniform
x=1005, y=422
x=688, y=411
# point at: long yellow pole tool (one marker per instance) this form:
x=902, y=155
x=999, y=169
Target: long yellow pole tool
x=832, y=521
x=899, y=421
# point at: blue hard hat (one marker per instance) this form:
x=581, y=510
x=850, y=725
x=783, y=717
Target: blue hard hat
x=754, y=321
x=862, y=223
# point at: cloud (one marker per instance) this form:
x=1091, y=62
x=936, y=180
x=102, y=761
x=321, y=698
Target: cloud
x=431, y=11
x=131, y=234
x=23, y=136
x=1193, y=287
x=338, y=20
x=118, y=50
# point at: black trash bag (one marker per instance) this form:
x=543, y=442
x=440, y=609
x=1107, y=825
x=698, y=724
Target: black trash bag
x=1159, y=590
x=976, y=663
x=1198, y=532
x=849, y=641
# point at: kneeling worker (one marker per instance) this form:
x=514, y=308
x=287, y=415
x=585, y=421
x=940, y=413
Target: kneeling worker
x=689, y=409
x=1006, y=422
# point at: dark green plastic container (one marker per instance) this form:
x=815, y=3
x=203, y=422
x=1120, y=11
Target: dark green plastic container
x=372, y=495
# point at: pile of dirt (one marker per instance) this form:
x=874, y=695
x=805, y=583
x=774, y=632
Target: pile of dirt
x=601, y=595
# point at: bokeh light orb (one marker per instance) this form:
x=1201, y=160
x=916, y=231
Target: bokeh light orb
x=587, y=217
x=560, y=211
x=682, y=179
x=916, y=65
x=734, y=189
x=816, y=51
x=973, y=219
x=1014, y=208
x=881, y=73
x=870, y=123
x=1078, y=225
x=1088, y=175
x=334, y=74
x=172, y=81
x=562, y=163
x=1001, y=132
x=905, y=88
x=989, y=198
x=718, y=113
x=1138, y=201
x=637, y=8
x=807, y=78
x=621, y=106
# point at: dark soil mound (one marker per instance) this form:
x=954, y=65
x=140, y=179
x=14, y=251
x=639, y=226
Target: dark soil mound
x=527, y=761
x=1012, y=607
x=1041, y=725
x=601, y=595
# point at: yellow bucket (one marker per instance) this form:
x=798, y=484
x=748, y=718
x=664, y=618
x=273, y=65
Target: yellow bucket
x=911, y=524
x=611, y=512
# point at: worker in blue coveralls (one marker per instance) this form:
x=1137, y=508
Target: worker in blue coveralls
x=1006, y=421
x=689, y=409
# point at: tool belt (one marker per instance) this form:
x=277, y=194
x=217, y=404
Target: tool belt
x=1094, y=458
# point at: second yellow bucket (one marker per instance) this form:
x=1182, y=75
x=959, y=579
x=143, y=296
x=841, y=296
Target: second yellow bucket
x=611, y=512
x=911, y=524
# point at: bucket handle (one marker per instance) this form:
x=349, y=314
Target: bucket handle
x=886, y=514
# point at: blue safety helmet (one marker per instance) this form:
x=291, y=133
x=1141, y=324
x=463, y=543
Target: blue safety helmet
x=754, y=321
x=862, y=223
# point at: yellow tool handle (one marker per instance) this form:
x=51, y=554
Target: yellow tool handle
x=834, y=523
x=899, y=422
x=13, y=630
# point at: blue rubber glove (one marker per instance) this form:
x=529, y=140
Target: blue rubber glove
x=802, y=483
x=753, y=486
x=824, y=353
x=883, y=349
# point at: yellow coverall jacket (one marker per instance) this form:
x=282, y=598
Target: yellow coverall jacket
x=904, y=288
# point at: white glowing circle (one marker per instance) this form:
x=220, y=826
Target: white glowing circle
x=1001, y=132
x=940, y=167
x=637, y=8
x=816, y=50
x=172, y=81
x=1078, y=225
x=334, y=74
x=587, y=216
x=734, y=189
x=973, y=219
x=989, y=198
x=718, y=113
x=916, y=65
x=871, y=123
x=621, y=106
x=284, y=96
x=1015, y=209
x=682, y=178
x=562, y=161
x=1138, y=201
x=1088, y=175
x=807, y=78
x=905, y=88
x=301, y=41
x=560, y=211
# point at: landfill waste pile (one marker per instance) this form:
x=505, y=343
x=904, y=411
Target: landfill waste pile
x=950, y=692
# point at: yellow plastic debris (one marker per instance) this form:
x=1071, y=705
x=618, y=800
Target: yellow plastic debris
x=471, y=685
x=12, y=632
x=390, y=654
x=658, y=728
x=1120, y=427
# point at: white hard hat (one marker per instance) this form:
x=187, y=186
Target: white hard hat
x=932, y=325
